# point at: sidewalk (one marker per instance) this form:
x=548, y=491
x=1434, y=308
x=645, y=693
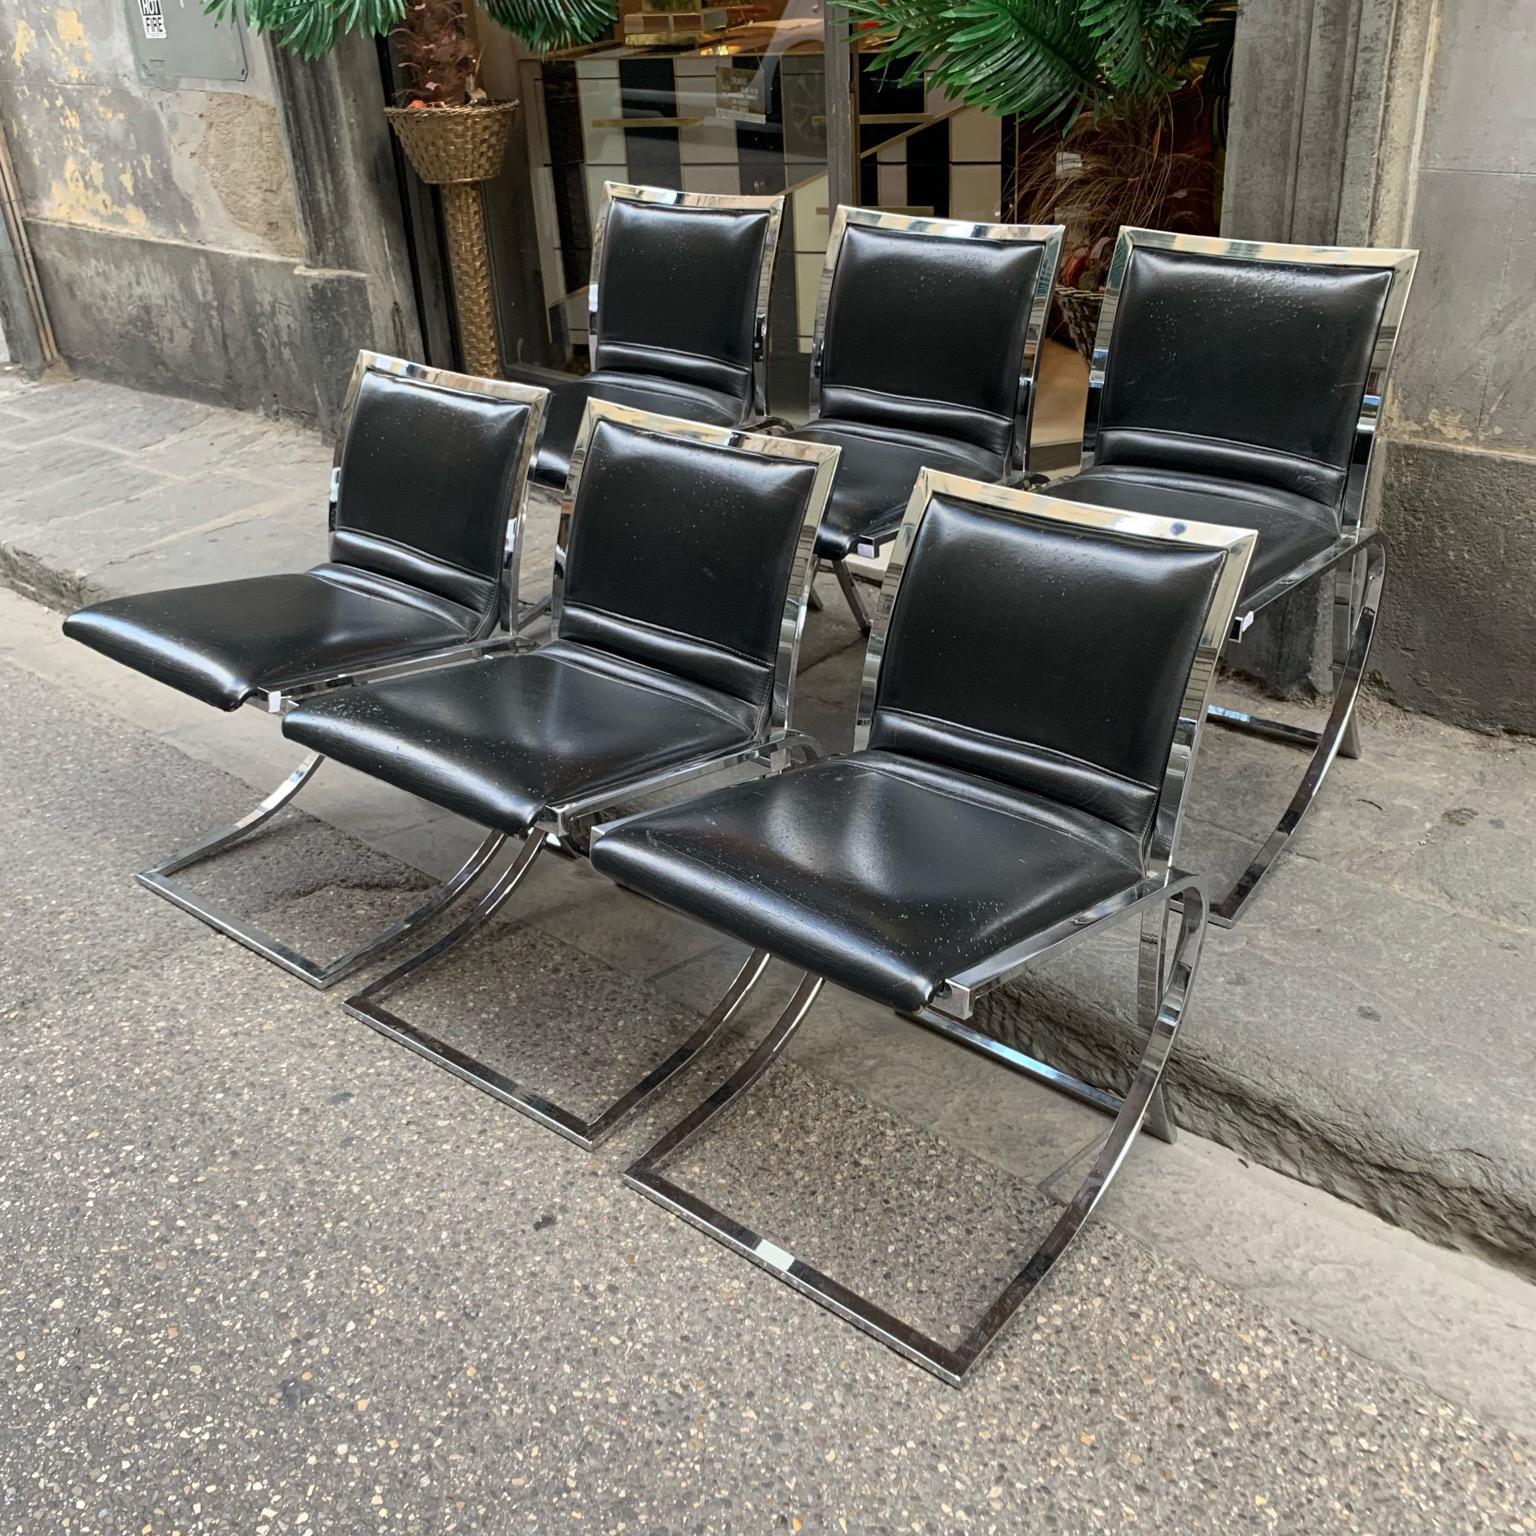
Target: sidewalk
x=1368, y=1029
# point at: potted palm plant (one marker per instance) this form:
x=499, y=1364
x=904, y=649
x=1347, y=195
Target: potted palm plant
x=1121, y=106
x=454, y=136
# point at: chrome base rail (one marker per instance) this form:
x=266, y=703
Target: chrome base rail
x=587, y=1134
x=951, y=1363
x=851, y=595
x=568, y=830
x=529, y=611
x=317, y=973
x=1160, y=1120
x=1354, y=630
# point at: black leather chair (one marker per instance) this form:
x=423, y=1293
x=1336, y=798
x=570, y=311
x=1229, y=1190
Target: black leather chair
x=1033, y=698
x=677, y=317
x=1241, y=382
x=677, y=619
x=928, y=337
x=427, y=500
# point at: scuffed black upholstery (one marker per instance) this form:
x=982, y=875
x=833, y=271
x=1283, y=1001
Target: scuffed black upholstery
x=920, y=368
x=1232, y=391
x=680, y=560
x=429, y=477
x=1028, y=696
x=676, y=322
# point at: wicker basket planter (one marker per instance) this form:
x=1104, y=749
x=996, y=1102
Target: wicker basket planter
x=1080, y=309
x=456, y=149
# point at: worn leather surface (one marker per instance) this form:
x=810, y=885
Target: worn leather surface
x=1290, y=528
x=679, y=560
x=1249, y=370
x=568, y=401
x=501, y=739
x=428, y=480
x=680, y=555
x=1028, y=695
x=223, y=641
x=883, y=876
x=676, y=317
x=1041, y=657
x=677, y=294
x=925, y=332
x=875, y=476
x=920, y=368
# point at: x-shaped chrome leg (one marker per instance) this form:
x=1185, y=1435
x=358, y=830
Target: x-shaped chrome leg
x=1169, y=1000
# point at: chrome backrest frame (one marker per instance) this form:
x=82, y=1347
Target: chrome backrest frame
x=1029, y=506
x=772, y=203
x=1049, y=236
x=536, y=398
x=1400, y=263
x=775, y=721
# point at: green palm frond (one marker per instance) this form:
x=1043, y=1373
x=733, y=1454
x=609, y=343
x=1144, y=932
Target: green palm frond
x=312, y=27
x=1139, y=43
x=1044, y=60
x=1004, y=56
x=309, y=27
x=545, y=25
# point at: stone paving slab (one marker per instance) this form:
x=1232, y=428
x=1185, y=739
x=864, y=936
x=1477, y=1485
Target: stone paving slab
x=105, y=490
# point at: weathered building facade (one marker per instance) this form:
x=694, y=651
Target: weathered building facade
x=215, y=237
x=1413, y=122
x=238, y=239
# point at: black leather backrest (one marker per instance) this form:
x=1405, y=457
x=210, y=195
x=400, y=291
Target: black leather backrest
x=926, y=333
x=1043, y=658
x=677, y=293
x=680, y=555
x=428, y=477
x=1248, y=369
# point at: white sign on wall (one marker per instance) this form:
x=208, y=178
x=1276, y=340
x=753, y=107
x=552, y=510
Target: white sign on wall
x=174, y=43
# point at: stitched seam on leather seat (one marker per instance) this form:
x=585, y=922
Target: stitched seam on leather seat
x=1048, y=752
x=704, y=707
x=872, y=433
x=1299, y=459
x=976, y=805
x=421, y=554
x=1140, y=475
x=1051, y=752
x=885, y=394
x=655, y=351
x=666, y=629
x=400, y=600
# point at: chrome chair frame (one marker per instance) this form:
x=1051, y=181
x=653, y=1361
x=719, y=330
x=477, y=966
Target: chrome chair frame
x=1164, y=977
x=1048, y=235
x=776, y=747
x=1357, y=558
x=547, y=496
x=280, y=697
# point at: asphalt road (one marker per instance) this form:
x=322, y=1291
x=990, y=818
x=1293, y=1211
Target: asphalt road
x=267, y=1273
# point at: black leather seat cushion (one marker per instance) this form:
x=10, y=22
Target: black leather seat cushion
x=501, y=739
x=223, y=641
x=1291, y=528
x=875, y=477
x=882, y=874
x=568, y=400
